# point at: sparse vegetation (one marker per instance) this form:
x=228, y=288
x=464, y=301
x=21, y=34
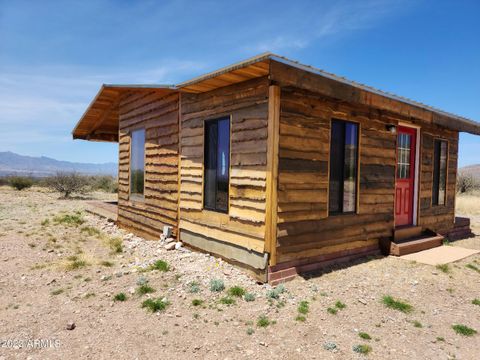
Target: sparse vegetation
x=193, y=287
x=74, y=263
x=144, y=289
x=263, y=321
x=303, y=307
x=197, y=302
x=440, y=338
x=364, y=336
x=90, y=231
x=466, y=183
x=57, y=292
x=332, y=311
x=115, y=244
x=227, y=300
x=391, y=303
x=417, y=324
x=249, y=297
x=473, y=267
x=20, y=182
x=155, y=305
x=476, y=302
x=339, y=305
x=236, y=291
x=160, y=265
x=362, y=349
x=250, y=331
x=443, y=268
x=106, y=263
x=464, y=330
x=275, y=292
x=217, y=285
x=67, y=183
x=120, y=297
x=75, y=219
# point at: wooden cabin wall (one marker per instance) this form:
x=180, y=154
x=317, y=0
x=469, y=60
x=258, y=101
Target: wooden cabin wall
x=159, y=116
x=439, y=218
x=304, y=229
x=247, y=104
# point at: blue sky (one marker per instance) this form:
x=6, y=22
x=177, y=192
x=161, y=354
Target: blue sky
x=54, y=55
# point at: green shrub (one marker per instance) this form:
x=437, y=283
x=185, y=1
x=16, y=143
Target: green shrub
x=75, y=219
x=263, y=321
x=120, y=297
x=443, y=268
x=91, y=231
x=301, y=318
x=303, y=307
x=362, y=349
x=391, y=303
x=160, y=265
x=476, y=301
x=473, y=267
x=197, y=302
x=332, y=311
x=417, y=324
x=236, y=291
x=155, y=305
x=364, y=336
x=144, y=289
x=104, y=183
x=250, y=331
x=464, y=330
x=340, y=305
x=20, y=182
x=216, y=285
x=227, y=300
x=56, y=292
x=115, y=244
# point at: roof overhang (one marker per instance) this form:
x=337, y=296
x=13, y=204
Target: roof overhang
x=100, y=120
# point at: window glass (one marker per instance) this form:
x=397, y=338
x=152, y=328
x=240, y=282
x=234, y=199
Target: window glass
x=439, y=172
x=343, y=167
x=137, y=162
x=404, y=159
x=217, y=164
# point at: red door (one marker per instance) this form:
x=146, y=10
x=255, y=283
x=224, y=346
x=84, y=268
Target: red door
x=405, y=177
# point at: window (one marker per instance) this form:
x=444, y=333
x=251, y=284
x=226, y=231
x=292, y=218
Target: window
x=404, y=157
x=439, y=172
x=217, y=164
x=343, y=167
x=137, y=162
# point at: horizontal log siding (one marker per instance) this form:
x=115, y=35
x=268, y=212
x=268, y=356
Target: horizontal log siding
x=247, y=104
x=439, y=218
x=304, y=227
x=159, y=116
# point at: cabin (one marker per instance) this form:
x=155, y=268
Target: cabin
x=279, y=167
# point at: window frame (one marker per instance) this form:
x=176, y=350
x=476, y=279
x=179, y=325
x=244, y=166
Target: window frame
x=437, y=189
x=210, y=120
x=135, y=196
x=357, y=180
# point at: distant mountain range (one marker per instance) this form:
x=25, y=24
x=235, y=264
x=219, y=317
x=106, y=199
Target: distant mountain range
x=15, y=164
x=473, y=170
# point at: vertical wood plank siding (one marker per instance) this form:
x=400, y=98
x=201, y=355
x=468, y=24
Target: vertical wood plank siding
x=159, y=116
x=247, y=104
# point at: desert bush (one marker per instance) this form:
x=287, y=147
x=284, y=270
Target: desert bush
x=20, y=182
x=216, y=285
x=467, y=183
x=103, y=183
x=67, y=183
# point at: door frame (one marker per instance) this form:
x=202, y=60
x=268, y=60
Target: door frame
x=416, y=177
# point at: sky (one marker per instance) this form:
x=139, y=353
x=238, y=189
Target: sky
x=54, y=55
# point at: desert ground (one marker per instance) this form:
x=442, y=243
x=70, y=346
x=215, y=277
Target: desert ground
x=63, y=268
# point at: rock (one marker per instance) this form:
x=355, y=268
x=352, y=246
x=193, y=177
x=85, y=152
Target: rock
x=131, y=290
x=170, y=246
x=51, y=281
x=362, y=301
x=70, y=325
x=169, y=240
x=178, y=245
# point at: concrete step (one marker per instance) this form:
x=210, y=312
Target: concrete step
x=423, y=242
x=406, y=232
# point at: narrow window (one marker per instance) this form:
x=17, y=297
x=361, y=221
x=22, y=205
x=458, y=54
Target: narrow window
x=137, y=162
x=343, y=167
x=439, y=172
x=217, y=164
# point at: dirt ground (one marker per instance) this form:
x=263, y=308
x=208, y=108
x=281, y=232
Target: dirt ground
x=59, y=264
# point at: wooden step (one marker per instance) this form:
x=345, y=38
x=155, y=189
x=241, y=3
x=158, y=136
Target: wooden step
x=415, y=245
x=406, y=232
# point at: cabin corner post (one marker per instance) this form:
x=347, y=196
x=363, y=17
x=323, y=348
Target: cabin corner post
x=272, y=172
